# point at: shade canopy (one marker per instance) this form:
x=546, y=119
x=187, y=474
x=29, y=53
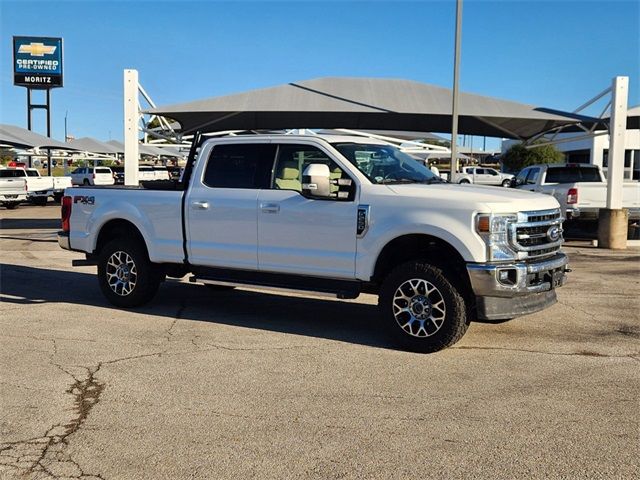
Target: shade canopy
x=367, y=104
x=147, y=149
x=23, y=138
x=88, y=144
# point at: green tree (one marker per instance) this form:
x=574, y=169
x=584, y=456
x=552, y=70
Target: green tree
x=518, y=156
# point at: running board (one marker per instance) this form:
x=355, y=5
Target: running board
x=279, y=282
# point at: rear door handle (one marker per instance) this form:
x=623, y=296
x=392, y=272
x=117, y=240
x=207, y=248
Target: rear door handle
x=200, y=205
x=269, y=207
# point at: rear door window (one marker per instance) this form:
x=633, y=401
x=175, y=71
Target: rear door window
x=572, y=175
x=240, y=166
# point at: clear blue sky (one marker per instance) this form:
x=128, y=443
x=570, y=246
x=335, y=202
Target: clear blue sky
x=550, y=53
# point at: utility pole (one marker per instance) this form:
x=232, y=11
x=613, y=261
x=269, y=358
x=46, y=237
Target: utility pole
x=456, y=77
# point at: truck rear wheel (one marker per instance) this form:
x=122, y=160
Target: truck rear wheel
x=11, y=206
x=422, y=311
x=126, y=275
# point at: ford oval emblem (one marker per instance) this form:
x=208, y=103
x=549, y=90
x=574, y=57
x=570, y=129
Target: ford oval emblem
x=553, y=234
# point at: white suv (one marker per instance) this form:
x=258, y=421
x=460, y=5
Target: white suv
x=92, y=176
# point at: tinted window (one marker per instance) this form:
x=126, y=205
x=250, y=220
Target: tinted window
x=572, y=174
x=533, y=176
x=31, y=173
x=102, y=170
x=240, y=166
x=10, y=174
x=522, y=176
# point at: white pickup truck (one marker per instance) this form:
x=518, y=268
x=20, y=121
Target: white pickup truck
x=330, y=214
x=13, y=188
x=39, y=188
x=580, y=189
x=488, y=176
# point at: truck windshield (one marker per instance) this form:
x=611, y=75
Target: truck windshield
x=386, y=164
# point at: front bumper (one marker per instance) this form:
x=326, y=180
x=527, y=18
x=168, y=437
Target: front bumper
x=510, y=290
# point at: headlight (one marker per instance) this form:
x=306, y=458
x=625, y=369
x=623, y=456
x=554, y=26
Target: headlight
x=494, y=230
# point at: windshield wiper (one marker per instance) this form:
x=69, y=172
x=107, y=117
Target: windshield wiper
x=390, y=181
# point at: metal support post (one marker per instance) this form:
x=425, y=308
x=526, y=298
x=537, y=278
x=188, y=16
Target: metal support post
x=613, y=221
x=456, y=76
x=49, y=130
x=131, y=119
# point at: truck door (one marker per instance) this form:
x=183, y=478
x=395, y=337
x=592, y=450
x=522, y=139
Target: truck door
x=300, y=235
x=221, y=205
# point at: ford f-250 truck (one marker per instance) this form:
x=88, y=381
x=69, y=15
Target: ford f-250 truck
x=337, y=215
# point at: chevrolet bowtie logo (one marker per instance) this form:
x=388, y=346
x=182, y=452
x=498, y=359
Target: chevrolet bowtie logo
x=37, y=49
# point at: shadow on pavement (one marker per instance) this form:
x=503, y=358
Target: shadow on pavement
x=27, y=223
x=334, y=320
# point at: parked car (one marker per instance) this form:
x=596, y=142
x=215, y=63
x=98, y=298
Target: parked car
x=118, y=174
x=92, y=176
x=488, y=176
x=13, y=188
x=161, y=173
x=146, y=173
x=580, y=189
x=337, y=215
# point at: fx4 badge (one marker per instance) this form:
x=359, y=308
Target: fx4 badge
x=84, y=200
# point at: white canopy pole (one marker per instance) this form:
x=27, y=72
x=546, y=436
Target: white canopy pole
x=131, y=119
x=618, y=131
x=456, y=75
x=613, y=221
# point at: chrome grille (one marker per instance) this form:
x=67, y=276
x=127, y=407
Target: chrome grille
x=534, y=233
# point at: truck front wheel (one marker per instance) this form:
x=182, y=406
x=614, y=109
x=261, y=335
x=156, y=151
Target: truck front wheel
x=126, y=275
x=422, y=311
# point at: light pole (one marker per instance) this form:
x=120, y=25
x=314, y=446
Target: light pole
x=66, y=138
x=456, y=76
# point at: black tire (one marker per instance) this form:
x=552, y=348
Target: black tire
x=57, y=197
x=11, y=206
x=219, y=288
x=86, y=182
x=506, y=183
x=464, y=181
x=40, y=201
x=426, y=336
x=145, y=279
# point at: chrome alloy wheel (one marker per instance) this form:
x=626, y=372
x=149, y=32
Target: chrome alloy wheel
x=419, y=308
x=121, y=273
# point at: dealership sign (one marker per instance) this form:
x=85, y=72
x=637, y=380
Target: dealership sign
x=37, y=62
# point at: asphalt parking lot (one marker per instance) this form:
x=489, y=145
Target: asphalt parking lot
x=245, y=384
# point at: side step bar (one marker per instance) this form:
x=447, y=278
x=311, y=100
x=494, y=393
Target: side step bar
x=278, y=281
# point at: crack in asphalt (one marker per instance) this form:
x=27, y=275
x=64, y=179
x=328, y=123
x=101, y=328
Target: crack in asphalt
x=45, y=455
x=582, y=353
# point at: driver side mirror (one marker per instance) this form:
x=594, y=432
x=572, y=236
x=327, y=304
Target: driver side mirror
x=316, y=180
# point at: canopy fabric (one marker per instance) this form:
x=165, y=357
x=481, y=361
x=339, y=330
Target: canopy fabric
x=88, y=144
x=23, y=138
x=367, y=104
x=146, y=149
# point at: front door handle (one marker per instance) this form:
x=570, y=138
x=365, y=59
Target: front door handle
x=200, y=205
x=269, y=207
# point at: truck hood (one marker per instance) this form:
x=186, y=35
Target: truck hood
x=479, y=197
